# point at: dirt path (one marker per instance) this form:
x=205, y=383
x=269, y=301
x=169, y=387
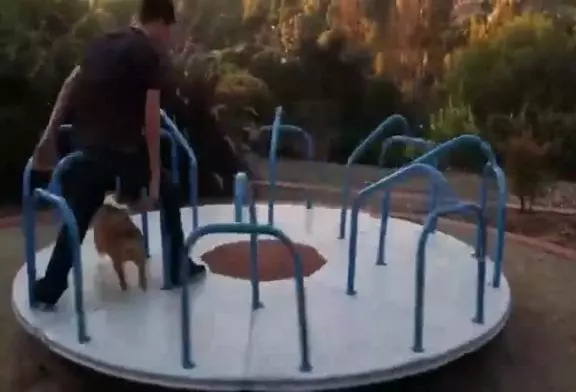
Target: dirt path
x=536, y=351
x=560, y=195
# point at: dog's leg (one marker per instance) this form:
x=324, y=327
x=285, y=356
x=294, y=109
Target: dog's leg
x=142, y=278
x=119, y=268
x=99, y=241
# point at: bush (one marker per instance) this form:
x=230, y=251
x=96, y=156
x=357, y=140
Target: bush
x=522, y=67
x=40, y=40
x=526, y=61
x=526, y=167
x=241, y=98
x=380, y=99
x=454, y=119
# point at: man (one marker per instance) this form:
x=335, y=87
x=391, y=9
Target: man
x=114, y=94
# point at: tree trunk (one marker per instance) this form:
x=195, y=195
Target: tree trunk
x=522, y=204
x=319, y=118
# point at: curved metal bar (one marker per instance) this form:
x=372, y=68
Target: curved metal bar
x=28, y=229
x=240, y=187
x=435, y=153
x=63, y=165
x=69, y=221
x=407, y=140
x=382, y=129
x=240, y=195
x=433, y=199
x=386, y=201
x=420, y=278
x=385, y=212
x=145, y=225
x=29, y=213
x=174, y=166
x=501, y=215
x=246, y=228
x=445, y=147
x=193, y=164
x=309, y=146
x=272, y=162
x=385, y=184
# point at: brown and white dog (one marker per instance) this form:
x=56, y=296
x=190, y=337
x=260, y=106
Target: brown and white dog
x=117, y=236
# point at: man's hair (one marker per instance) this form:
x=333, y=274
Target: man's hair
x=156, y=11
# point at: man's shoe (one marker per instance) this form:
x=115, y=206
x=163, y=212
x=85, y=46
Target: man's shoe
x=42, y=299
x=195, y=271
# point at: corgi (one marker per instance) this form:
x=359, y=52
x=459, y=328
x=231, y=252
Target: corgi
x=117, y=236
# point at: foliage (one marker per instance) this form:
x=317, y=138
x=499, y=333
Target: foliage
x=519, y=66
x=526, y=61
x=338, y=68
x=241, y=98
x=40, y=42
x=452, y=120
x=527, y=169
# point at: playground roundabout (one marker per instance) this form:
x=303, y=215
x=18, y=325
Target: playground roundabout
x=337, y=299
x=302, y=296
x=352, y=339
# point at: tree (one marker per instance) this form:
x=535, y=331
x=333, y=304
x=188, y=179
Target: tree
x=496, y=73
x=526, y=164
x=520, y=67
x=40, y=42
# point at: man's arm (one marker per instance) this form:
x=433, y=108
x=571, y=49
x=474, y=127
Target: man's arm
x=152, y=131
x=59, y=110
x=46, y=154
x=153, y=70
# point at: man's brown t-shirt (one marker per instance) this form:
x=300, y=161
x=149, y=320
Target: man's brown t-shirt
x=109, y=98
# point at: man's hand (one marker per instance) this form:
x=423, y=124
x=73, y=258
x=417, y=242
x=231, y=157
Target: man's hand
x=149, y=200
x=45, y=155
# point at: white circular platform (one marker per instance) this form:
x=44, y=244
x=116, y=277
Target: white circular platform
x=353, y=340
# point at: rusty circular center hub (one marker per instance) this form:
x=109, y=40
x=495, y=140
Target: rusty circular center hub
x=274, y=260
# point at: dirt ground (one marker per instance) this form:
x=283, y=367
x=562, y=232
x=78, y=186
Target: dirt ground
x=552, y=227
x=535, y=352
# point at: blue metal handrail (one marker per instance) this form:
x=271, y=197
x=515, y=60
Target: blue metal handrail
x=171, y=127
x=240, y=195
x=418, y=142
x=420, y=280
x=383, y=129
x=497, y=171
x=491, y=166
x=386, y=201
x=55, y=185
x=458, y=141
x=386, y=184
x=272, y=162
x=174, y=164
x=67, y=217
x=245, y=228
x=309, y=149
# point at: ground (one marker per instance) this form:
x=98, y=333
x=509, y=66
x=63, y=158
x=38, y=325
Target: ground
x=535, y=352
x=554, y=218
